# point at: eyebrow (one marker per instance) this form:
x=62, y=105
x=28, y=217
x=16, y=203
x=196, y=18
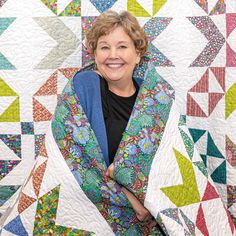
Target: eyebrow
x=117, y=43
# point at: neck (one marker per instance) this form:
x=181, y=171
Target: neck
x=123, y=90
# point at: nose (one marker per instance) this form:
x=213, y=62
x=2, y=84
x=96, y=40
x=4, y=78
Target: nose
x=113, y=53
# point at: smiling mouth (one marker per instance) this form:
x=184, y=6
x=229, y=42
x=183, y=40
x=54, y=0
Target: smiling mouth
x=114, y=66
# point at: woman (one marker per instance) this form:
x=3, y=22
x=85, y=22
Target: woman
x=117, y=43
x=126, y=146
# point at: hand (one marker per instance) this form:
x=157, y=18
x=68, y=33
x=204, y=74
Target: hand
x=110, y=171
x=141, y=212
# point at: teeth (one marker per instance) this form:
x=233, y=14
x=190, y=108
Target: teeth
x=114, y=65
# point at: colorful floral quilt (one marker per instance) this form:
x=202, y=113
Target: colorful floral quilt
x=192, y=47
x=156, y=161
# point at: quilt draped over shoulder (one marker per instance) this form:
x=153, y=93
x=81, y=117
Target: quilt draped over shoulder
x=68, y=193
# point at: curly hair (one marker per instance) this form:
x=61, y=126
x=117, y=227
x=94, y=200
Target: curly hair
x=109, y=20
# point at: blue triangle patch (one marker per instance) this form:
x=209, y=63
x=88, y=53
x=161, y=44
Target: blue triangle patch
x=172, y=213
x=5, y=22
x=5, y=64
x=212, y=149
x=103, y=5
x=219, y=175
x=158, y=58
x=16, y=227
x=13, y=142
x=196, y=134
x=189, y=223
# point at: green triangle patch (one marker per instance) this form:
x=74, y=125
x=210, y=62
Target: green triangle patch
x=136, y=9
x=12, y=113
x=196, y=134
x=219, y=175
x=6, y=192
x=73, y=9
x=51, y=4
x=212, y=149
x=46, y=215
x=182, y=120
x=188, y=143
x=230, y=101
x=202, y=167
x=186, y=193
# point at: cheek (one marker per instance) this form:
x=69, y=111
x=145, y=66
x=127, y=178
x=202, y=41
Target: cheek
x=100, y=57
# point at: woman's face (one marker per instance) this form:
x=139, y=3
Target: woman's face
x=116, y=56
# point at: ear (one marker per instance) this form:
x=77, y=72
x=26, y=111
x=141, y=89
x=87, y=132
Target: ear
x=94, y=56
x=138, y=58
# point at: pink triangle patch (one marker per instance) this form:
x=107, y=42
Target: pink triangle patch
x=193, y=109
x=210, y=193
x=200, y=222
x=230, y=152
x=230, y=23
x=214, y=98
x=219, y=73
x=49, y=87
x=2, y=2
x=230, y=56
x=231, y=223
x=202, y=85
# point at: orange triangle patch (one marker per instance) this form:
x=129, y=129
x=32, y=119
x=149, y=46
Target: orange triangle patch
x=49, y=87
x=40, y=113
x=24, y=202
x=38, y=177
x=69, y=72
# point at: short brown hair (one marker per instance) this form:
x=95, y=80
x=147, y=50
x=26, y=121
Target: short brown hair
x=107, y=21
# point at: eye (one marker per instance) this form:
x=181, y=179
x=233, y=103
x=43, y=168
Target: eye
x=104, y=47
x=122, y=46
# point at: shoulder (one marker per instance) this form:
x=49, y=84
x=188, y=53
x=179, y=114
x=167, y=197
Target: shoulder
x=85, y=77
x=86, y=83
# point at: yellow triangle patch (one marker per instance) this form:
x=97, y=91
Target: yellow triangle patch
x=136, y=9
x=5, y=89
x=12, y=113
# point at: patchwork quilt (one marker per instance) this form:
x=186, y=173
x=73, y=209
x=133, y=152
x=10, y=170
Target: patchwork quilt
x=182, y=198
x=188, y=178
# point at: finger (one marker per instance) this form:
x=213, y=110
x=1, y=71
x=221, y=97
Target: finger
x=152, y=224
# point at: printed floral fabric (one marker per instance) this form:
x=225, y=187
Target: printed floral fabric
x=79, y=146
x=143, y=134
